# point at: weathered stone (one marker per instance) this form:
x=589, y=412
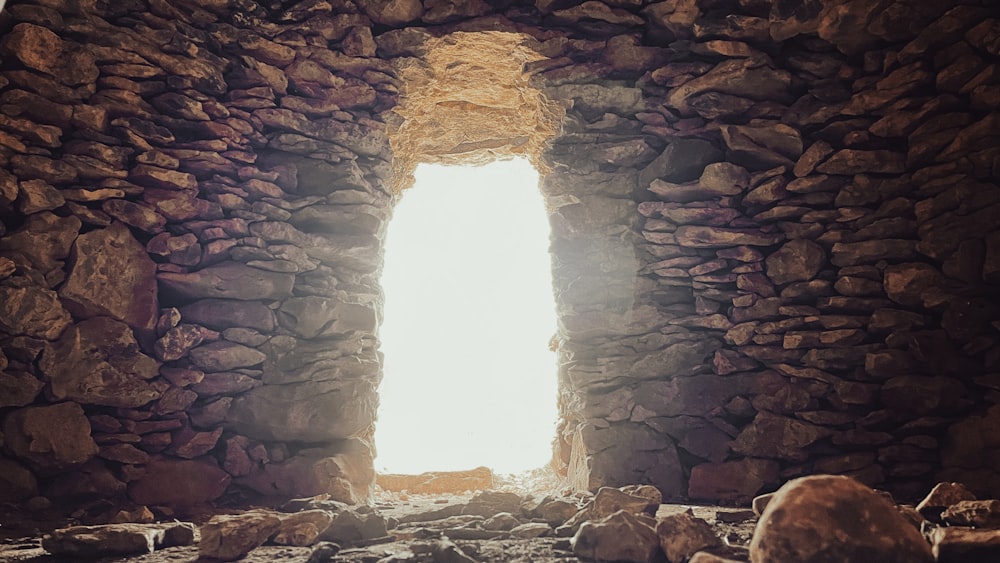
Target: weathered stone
x=828, y=518
x=922, y=395
x=53, y=438
x=38, y=195
x=682, y=535
x=351, y=527
x=98, y=362
x=16, y=482
x=309, y=412
x=120, y=284
x=225, y=356
x=973, y=513
x=227, y=281
x=778, y=437
x=760, y=148
x=40, y=49
x=746, y=77
x=135, y=215
x=736, y=480
x=718, y=237
x=725, y=178
x=682, y=161
x=179, y=483
x=941, y=497
x=188, y=444
x=797, y=260
x=222, y=314
x=302, y=528
x=871, y=251
x=911, y=284
x=313, y=317
x=42, y=242
x=32, y=311
x=608, y=501
x=621, y=536
x=231, y=537
x=852, y=161
x=177, y=341
x=962, y=545
x=117, y=539
x=345, y=474
x=438, y=482
x=18, y=388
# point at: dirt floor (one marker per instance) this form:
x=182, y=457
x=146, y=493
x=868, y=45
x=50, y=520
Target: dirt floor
x=20, y=539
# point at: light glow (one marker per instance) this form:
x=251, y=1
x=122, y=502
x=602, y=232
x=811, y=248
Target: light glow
x=469, y=379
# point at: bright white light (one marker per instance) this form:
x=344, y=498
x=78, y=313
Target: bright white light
x=469, y=379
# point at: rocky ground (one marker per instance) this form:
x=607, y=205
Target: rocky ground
x=818, y=518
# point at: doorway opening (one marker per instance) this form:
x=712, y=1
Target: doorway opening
x=469, y=379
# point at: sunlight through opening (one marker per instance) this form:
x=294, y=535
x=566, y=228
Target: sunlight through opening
x=469, y=312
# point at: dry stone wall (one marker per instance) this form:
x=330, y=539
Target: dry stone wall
x=775, y=241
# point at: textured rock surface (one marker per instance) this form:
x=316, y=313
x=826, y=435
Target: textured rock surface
x=834, y=518
x=228, y=538
x=775, y=245
x=117, y=539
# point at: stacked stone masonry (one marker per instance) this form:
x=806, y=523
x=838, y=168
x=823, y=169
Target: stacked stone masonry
x=775, y=241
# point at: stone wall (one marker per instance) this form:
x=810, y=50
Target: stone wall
x=774, y=236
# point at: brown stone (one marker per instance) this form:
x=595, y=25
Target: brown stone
x=912, y=284
x=119, y=284
x=682, y=535
x=924, y=395
x=42, y=242
x=621, y=536
x=345, y=476
x=32, y=311
x=312, y=411
x=760, y=148
x=231, y=537
x=179, y=483
x=853, y=161
x=40, y=49
x=227, y=281
x=302, y=528
x=608, y=500
x=718, y=237
x=99, y=362
x=962, y=545
x=682, y=160
x=53, y=438
x=38, y=195
x=119, y=539
x=18, y=388
x=16, y=482
x=746, y=77
x=973, y=513
x=438, y=482
x=736, y=480
x=313, y=317
x=941, y=497
x=798, y=260
x=222, y=314
x=778, y=437
x=828, y=518
x=225, y=356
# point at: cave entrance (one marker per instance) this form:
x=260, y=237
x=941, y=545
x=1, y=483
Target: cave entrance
x=469, y=379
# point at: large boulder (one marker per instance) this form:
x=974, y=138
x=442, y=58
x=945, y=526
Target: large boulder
x=311, y=411
x=98, y=362
x=179, y=483
x=834, y=519
x=52, y=438
x=112, y=275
